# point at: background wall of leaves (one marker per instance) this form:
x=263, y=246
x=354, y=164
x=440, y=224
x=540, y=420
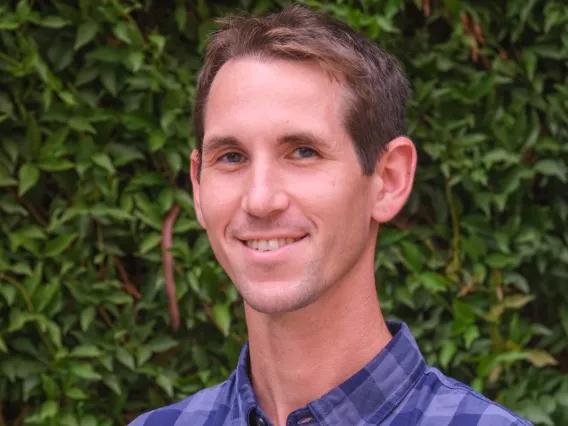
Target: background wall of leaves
x=96, y=211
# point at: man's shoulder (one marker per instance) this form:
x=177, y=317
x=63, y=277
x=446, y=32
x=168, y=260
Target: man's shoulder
x=201, y=408
x=443, y=400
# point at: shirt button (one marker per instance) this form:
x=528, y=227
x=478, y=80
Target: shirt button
x=260, y=421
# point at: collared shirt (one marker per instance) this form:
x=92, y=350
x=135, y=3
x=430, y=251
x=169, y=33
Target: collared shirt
x=396, y=388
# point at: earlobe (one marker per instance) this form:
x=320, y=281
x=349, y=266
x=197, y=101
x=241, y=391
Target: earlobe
x=194, y=174
x=395, y=171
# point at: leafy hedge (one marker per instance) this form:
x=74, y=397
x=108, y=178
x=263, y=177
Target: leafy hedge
x=95, y=101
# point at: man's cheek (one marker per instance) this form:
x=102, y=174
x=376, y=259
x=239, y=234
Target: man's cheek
x=208, y=210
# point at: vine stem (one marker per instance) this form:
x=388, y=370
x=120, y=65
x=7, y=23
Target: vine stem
x=168, y=264
x=455, y=264
x=22, y=290
x=30, y=208
x=126, y=283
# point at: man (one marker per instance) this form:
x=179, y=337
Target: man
x=300, y=156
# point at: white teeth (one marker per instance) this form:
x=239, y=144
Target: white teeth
x=267, y=245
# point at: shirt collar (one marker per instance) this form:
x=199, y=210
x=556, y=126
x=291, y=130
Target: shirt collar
x=368, y=396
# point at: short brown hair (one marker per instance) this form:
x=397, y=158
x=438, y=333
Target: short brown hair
x=378, y=89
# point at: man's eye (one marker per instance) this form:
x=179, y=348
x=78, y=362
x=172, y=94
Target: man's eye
x=304, y=152
x=231, y=157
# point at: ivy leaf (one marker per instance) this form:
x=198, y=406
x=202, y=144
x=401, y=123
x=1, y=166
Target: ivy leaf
x=54, y=22
x=151, y=241
x=156, y=140
x=517, y=301
x=9, y=22
x=184, y=200
x=471, y=335
x=166, y=384
x=552, y=168
x=102, y=160
x=222, y=317
x=500, y=260
x=162, y=344
x=85, y=33
x=49, y=409
x=174, y=160
x=87, y=317
x=143, y=354
x=434, y=281
x=108, y=77
x=84, y=371
x=125, y=358
x=59, y=244
x=135, y=60
x=540, y=358
x=113, y=383
x=165, y=199
x=89, y=420
x=54, y=332
x=159, y=42
x=55, y=165
x=102, y=211
x=85, y=351
x=180, y=16
x=413, y=255
x=81, y=124
x=124, y=154
x=29, y=175
x=77, y=394
x=122, y=32
x=119, y=298
x=50, y=386
x=7, y=180
x=449, y=348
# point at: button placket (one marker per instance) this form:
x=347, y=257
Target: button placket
x=256, y=420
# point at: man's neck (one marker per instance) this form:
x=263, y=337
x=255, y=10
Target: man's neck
x=298, y=357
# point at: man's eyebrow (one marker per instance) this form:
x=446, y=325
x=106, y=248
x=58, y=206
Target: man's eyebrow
x=304, y=138
x=215, y=143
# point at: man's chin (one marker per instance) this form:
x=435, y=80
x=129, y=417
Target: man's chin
x=275, y=309
x=276, y=302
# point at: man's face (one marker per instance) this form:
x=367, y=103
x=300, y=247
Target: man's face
x=282, y=194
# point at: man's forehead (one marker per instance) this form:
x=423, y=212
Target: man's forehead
x=285, y=79
x=276, y=101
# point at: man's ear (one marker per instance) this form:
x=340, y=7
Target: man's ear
x=394, y=174
x=194, y=172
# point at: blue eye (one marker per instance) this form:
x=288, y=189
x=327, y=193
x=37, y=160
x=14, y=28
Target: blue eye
x=305, y=152
x=231, y=157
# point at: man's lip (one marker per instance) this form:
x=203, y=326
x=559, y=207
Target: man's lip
x=272, y=237
x=272, y=255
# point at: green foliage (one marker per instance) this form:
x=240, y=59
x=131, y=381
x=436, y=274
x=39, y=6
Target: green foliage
x=95, y=102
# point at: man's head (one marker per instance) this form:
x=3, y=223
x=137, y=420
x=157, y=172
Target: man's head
x=300, y=154
x=375, y=88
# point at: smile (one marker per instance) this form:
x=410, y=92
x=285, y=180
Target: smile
x=270, y=245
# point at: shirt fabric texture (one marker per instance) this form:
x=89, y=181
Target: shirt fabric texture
x=396, y=388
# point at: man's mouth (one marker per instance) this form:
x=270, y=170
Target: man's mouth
x=270, y=245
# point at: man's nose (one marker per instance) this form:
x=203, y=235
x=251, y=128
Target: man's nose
x=265, y=194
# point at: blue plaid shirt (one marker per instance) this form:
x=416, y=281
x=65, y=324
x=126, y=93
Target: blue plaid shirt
x=396, y=388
